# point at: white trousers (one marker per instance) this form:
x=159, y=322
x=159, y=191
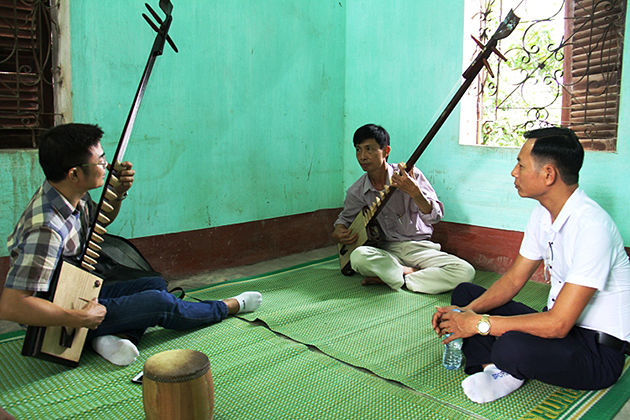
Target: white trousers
x=438, y=271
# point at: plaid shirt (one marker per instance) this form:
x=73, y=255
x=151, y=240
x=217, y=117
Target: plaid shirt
x=48, y=229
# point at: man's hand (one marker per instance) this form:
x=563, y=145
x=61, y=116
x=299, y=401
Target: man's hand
x=437, y=317
x=409, y=185
x=344, y=235
x=458, y=324
x=23, y=307
x=404, y=182
x=93, y=314
x=125, y=176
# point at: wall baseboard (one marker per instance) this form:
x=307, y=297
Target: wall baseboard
x=485, y=248
x=192, y=252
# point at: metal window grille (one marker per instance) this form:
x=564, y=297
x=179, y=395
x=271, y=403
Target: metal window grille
x=26, y=91
x=573, y=80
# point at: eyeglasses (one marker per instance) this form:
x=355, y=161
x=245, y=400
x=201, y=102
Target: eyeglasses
x=548, y=262
x=102, y=162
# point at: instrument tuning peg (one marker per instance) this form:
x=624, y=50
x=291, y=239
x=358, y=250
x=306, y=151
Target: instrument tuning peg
x=90, y=260
x=87, y=266
x=113, y=181
x=108, y=208
x=110, y=194
x=99, y=229
x=487, y=66
x=156, y=29
x=485, y=62
x=94, y=246
x=97, y=238
x=479, y=43
x=103, y=219
x=89, y=251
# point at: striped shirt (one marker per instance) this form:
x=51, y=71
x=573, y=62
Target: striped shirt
x=48, y=229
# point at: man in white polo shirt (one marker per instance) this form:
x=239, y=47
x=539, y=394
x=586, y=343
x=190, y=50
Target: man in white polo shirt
x=577, y=341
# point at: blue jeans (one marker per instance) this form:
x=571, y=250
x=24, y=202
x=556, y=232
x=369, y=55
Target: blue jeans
x=576, y=361
x=135, y=305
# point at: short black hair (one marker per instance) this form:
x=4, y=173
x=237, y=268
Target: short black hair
x=371, y=131
x=562, y=147
x=66, y=146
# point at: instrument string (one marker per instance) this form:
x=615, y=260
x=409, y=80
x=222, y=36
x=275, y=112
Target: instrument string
x=518, y=5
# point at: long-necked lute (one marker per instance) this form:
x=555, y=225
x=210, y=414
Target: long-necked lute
x=365, y=224
x=74, y=282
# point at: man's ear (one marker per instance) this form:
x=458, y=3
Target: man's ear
x=551, y=174
x=72, y=174
x=386, y=151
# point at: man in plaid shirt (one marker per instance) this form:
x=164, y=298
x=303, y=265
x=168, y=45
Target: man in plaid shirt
x=54, y=226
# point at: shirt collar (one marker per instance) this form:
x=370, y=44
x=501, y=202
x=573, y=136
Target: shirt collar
x=367, y=185
x=59, y=202
x=567, y=209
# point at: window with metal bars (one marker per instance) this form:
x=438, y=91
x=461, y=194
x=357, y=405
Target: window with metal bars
x=563, y=68
x=26, y=90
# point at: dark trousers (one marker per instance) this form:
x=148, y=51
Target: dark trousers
x=135, y=305
x=576, y=361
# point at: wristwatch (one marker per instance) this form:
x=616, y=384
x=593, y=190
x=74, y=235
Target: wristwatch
x=483, y=326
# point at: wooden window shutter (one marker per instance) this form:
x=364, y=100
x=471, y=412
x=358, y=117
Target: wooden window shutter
x=26, y=95
x=592, y=70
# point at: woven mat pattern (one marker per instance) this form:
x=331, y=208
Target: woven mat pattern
x=257, y=375
x=261, y=375
x=387, y=332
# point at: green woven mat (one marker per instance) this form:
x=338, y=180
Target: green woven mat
x=260, y=375
x=389, y=333
x=257, y=375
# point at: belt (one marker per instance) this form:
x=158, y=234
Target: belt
x=612, y=342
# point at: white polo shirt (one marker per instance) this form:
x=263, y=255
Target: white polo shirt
x=583, y=246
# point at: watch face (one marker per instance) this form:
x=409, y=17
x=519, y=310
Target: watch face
x=483, y=326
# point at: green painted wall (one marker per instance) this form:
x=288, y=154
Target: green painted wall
x=243, y=124
x=253, y=118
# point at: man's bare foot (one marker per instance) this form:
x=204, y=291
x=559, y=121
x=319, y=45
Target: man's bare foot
x=371, y=280
x=409, y=270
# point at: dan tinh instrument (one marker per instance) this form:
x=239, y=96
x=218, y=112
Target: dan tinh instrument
x=74, y=283
x=365, y=224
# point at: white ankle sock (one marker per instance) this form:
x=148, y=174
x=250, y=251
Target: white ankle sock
x=116, y=350
x=489, y=385
x=248, y=301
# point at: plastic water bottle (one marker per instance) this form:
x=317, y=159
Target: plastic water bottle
x=452, y=358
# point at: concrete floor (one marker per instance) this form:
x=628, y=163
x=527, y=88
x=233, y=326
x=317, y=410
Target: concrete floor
x=217, y=276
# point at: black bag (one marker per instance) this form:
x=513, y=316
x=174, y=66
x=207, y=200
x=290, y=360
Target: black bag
x=120, y=260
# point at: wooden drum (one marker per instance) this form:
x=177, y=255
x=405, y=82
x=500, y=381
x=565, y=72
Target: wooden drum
x=177, y=384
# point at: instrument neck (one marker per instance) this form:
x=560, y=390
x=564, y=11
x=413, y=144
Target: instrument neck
x=470, y=75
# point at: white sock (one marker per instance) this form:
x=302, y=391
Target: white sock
x=119, y=351
x=248, y=301
x=490, y=385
